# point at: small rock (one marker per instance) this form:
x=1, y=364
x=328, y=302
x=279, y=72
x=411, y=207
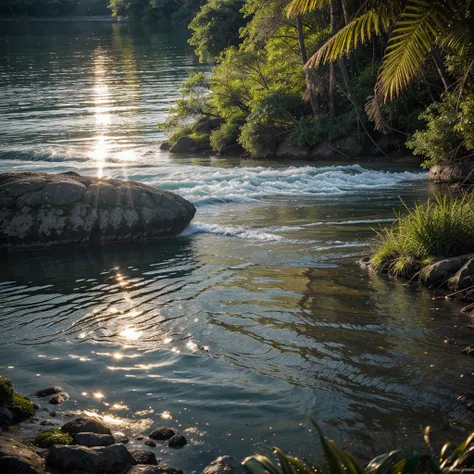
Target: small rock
x=121, y=438
x=139, y=438
x=165, y=146
x=150, y=443
x=162, y=433
x=53, y=413
x=177, y=441
x=161, y=468
x=36, y=406
x=93, y=439
x=86, y=424
x=46, y=392
x=143, y=456
x=469, y=350
x=6, y=416
x=110, y=459
x=225, y=465
x=48, y=423
x=58, y=399
x=17, y=458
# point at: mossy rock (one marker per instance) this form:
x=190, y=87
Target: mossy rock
x=50, y=438
x=6, y=391
x=22, y=406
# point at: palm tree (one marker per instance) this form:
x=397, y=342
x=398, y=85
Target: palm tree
x=415, y=28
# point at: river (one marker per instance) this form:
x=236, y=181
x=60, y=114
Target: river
x=257, y=316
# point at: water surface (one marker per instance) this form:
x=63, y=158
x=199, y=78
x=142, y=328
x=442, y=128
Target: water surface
x=256, y=316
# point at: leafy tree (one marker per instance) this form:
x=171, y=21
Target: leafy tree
x=216, y=27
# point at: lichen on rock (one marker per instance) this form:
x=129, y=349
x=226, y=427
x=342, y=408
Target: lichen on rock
x=42, y=209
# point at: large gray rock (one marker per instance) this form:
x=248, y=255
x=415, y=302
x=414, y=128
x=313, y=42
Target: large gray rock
x=438, y=273
x=225, y=465
x=94, y=439
x=86, y=424
x=16, y=458
x=464, y=277
x=287, y=150
x=41, y=209
x=108, y=459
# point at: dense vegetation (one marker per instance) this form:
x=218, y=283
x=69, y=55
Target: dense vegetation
x=54, y=7
x=292, y=74
x=181, y=10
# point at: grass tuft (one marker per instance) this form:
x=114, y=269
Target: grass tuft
x=441, y=227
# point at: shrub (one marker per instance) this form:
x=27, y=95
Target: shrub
x=226, y=135
x=50, y=438
x=441, y=227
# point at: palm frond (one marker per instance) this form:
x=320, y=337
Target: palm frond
x=300, y=7
x=373, y=108
x=420, y=26
x=359, y=31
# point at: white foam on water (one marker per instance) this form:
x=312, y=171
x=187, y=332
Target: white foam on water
x=238, y=232
x=209, y=185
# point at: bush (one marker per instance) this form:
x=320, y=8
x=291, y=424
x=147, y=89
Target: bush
x=442, y=227
x=226, y=135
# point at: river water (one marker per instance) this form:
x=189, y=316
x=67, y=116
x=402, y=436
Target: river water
x=257, y=316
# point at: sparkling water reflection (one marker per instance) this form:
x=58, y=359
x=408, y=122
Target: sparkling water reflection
x=256, y=316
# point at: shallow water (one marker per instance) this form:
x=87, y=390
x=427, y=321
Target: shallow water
x=256, y=316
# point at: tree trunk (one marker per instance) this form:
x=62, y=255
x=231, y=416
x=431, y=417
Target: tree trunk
x=311, y=76
x=440, y=67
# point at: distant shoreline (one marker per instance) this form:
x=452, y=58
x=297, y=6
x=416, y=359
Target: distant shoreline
x=101, y=18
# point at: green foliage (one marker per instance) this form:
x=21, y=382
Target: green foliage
x=271, y=119
x=442, y=227
x=24, y=403
x=50, y=438
x=338, y=461
x=312, y=131
x=6, y=391
x=226, y=135
x=449, y=132
x=216, y=27
x=155, y=9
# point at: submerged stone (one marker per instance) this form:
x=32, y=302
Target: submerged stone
x=46, y=392
x=163, y=433
x=42, y=209
x=177, y=441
